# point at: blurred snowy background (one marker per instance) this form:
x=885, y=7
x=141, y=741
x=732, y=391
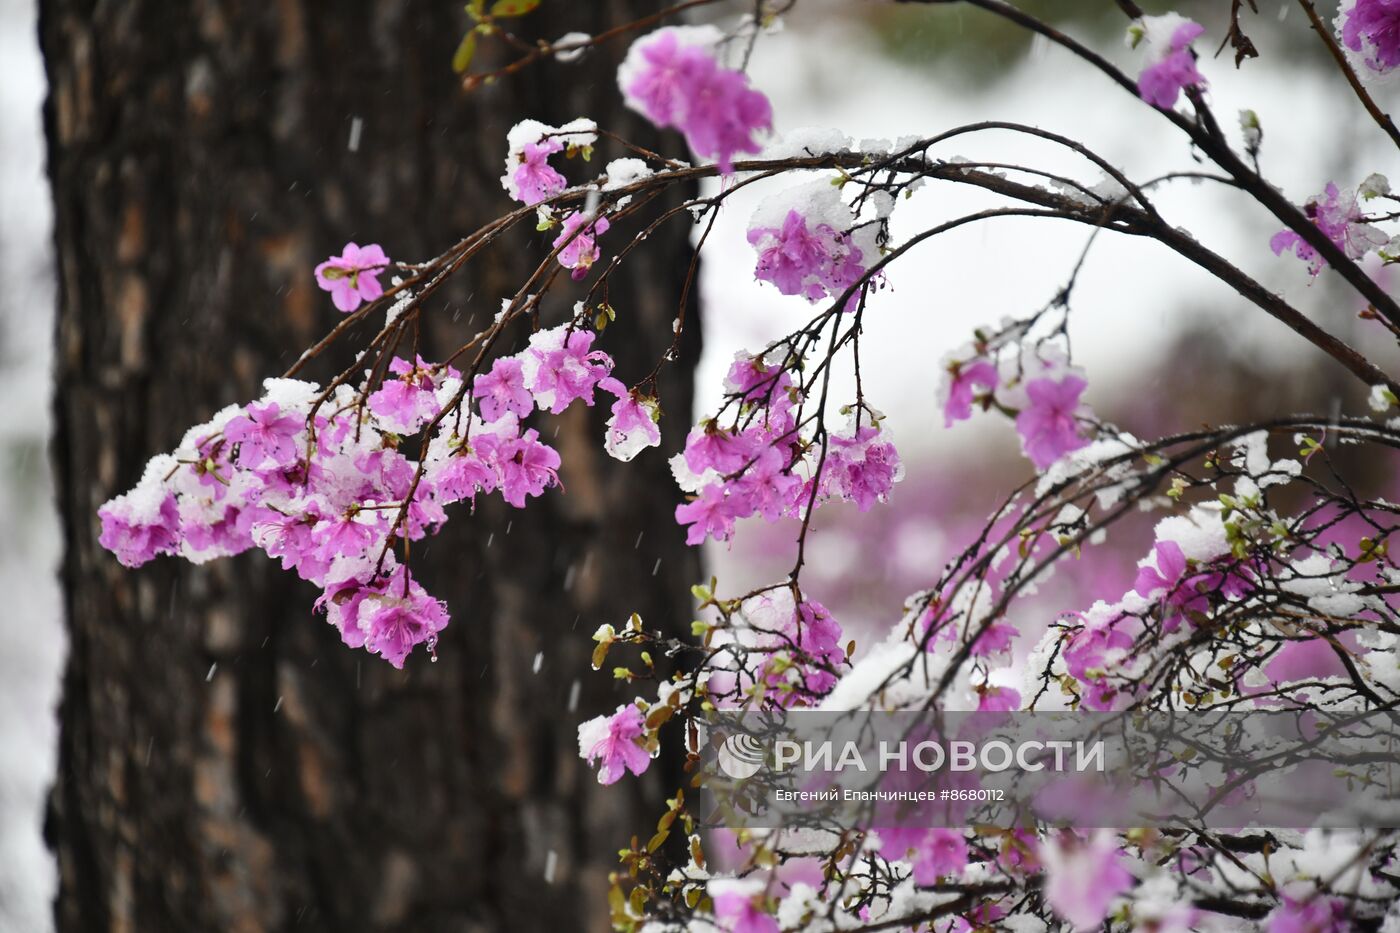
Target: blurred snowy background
x=1164, y=345
x=31, y=628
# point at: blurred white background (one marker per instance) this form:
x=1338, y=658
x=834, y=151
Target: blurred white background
x=31, y=628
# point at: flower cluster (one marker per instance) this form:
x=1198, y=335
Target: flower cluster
x=328, y=495
x=767, y=465
x=529, y=177
x=804, y=243
x=1042, y=391
x=1172, y=65
x=1337, y=213
x=673, y=78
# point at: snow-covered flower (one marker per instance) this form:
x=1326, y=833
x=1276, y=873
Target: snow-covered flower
x=673, y=78
x=611, y=743
x=1172, y=66
x=1371, y=30
x=1337, y=213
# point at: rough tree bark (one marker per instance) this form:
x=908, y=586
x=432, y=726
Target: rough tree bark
x=226, y=764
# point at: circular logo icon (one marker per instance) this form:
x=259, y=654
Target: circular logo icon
x=741, y=756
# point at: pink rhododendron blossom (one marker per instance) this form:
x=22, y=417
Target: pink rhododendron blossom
x=1094, y=646
x=527, y=467
x=1317, y=914
x=560, y=367
x=709, y=515
x=998, y=700
x=633, y=426
x=579, y=241
x=758, y=383
x=767, y=487
x=1371, y=29
x=138, y=526
x=815, y=261
x=1160, y=576
x=1337, y=214
x=611, y=742
x=709, y=447
x=528, y=177
x=995, y=640
x=934, y=853
x=671, y=77
x=1172, y=67
x=811, y=641
x=353, y=276
x=960, y=388
x=1082, y=877
x=396, y=623
x=263, y=433
x=503, y=390
x=408, y=402
x=1047, y=424
x=534, y=179
x=740, y=907
x=862, y=464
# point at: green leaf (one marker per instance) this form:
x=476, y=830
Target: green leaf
x=513, y=7
x=462, y=58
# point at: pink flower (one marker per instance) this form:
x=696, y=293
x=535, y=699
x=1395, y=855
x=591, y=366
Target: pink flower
x=1338, y=215
x=1092, y=648
x=353, y=276
x=1316, y=914
x=503, y=390
x=612, y=741
x=672, y=78
x=767, y=487
x=534, y=179
x=754, y=381
x=862, y=466
x=289, y=538
x=1173, y=67
x=710, y=447
x=961, y=385
x=579, y=241
x=1372, y=28
x=407, y=403
x=396, y=625
x=934, y=853
x=263, y=433
x=811, y=262
x=1047, y=425
x=942, y=853
x=633, y=426
x=995, y=640
x=812, y=638
x=708, y=515
x=138, y=526
x=740, y=907
x=559, y=366
x=343, y=535
x=1168, y=567
x=468, y=471
x=1082, y=877
x=527, y=467
x=998, y=700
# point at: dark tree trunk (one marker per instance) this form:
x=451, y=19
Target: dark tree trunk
x=226, y=764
